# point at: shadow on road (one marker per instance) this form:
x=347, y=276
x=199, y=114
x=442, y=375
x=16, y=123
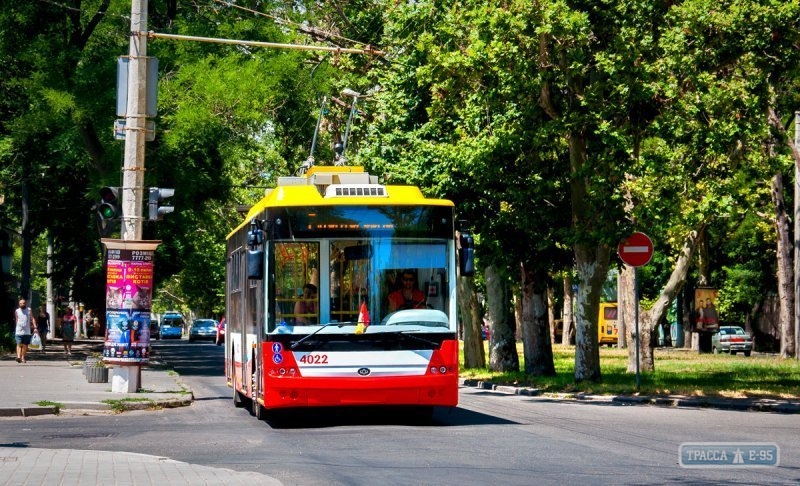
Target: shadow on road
x=315, y=418
x=191, y=359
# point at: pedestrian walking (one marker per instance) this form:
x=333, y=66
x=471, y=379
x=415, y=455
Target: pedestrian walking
x=43, y=323
x=88, y=319
x=68, y=322
x=25, y=327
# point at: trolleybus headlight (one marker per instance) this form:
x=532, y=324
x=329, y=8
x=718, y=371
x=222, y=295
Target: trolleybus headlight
x=434, y=370
x=442, y=370
x=282, y=371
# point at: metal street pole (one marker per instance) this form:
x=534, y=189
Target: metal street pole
x=135, y=126
x=636, y=319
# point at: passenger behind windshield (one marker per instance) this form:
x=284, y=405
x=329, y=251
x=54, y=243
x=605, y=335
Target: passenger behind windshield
x=305, y=309
x=408, y=296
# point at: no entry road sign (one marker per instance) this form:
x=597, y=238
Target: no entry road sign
x=637, y=250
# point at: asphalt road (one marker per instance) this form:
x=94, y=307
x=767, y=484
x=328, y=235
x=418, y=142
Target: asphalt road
x=489, y=438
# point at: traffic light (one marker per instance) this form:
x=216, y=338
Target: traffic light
x=157, y=195
x=109, y=203
x=108, y=210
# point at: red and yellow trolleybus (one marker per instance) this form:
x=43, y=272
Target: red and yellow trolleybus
x=342, y=292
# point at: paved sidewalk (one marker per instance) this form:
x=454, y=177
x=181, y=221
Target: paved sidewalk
x=27, y=466
x=51, y=382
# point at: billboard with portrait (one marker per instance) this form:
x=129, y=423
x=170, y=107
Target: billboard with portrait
x=706, y=315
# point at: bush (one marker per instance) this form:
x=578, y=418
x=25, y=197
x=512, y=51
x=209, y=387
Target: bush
x=7, y=342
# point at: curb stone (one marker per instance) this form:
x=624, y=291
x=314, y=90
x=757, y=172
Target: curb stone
x=28, y=411
x=741, y=404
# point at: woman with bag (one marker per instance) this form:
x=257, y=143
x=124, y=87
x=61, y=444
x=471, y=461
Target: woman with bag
x=24, y=321
x=68, y=330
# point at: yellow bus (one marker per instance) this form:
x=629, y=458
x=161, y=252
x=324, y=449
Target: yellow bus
x=608, y=332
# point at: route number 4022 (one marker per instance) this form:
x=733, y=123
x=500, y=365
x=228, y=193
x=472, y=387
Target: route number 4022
x=314, y=359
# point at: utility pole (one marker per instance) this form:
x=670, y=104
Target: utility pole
x=135, y=126
x=123, y=322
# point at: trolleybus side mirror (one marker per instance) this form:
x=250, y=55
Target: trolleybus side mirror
x=255, y=264
x=255, y=255
x=466, y=255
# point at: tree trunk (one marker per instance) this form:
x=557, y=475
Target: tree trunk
x=27, y=236
x=471, y=322
x=785, y=270
x=502, y=345
x=569, y=299
x=622, y=323
x=537, y=349
x=592, y=266
x=793, y=329
x=687, y=318
x=551, y=315
x=516, y=300
x=625, y=309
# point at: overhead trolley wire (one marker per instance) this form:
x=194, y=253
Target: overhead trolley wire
x=368, y=50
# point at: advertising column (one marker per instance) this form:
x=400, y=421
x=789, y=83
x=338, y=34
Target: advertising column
x=129, y=290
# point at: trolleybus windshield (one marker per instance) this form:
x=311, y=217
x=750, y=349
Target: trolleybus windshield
x=359, y=261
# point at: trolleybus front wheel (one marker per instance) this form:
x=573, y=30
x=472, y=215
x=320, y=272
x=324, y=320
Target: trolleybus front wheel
x=238, y=401
x=258, y=411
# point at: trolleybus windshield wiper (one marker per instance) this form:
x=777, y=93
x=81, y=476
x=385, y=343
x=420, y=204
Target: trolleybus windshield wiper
x=321, y=327
x=409, y=334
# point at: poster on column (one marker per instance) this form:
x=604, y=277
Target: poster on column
x=129, y=290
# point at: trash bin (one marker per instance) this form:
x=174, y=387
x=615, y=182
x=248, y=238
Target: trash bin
x=97, y=374
x=676, y=332
x=90, y=362
x=95, y=370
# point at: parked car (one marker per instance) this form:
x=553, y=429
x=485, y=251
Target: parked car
x=172, y=326
x=203, y=329
x=731, y=339
x=155, y=330
x=220, y=332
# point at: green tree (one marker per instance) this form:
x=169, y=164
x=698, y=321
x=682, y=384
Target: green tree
x=53, y=89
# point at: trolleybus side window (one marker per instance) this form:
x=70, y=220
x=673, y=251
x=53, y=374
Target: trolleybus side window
x=296, y=265
x=235, y=271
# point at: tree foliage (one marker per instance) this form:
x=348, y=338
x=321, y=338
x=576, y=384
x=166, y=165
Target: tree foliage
x=556, y=127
